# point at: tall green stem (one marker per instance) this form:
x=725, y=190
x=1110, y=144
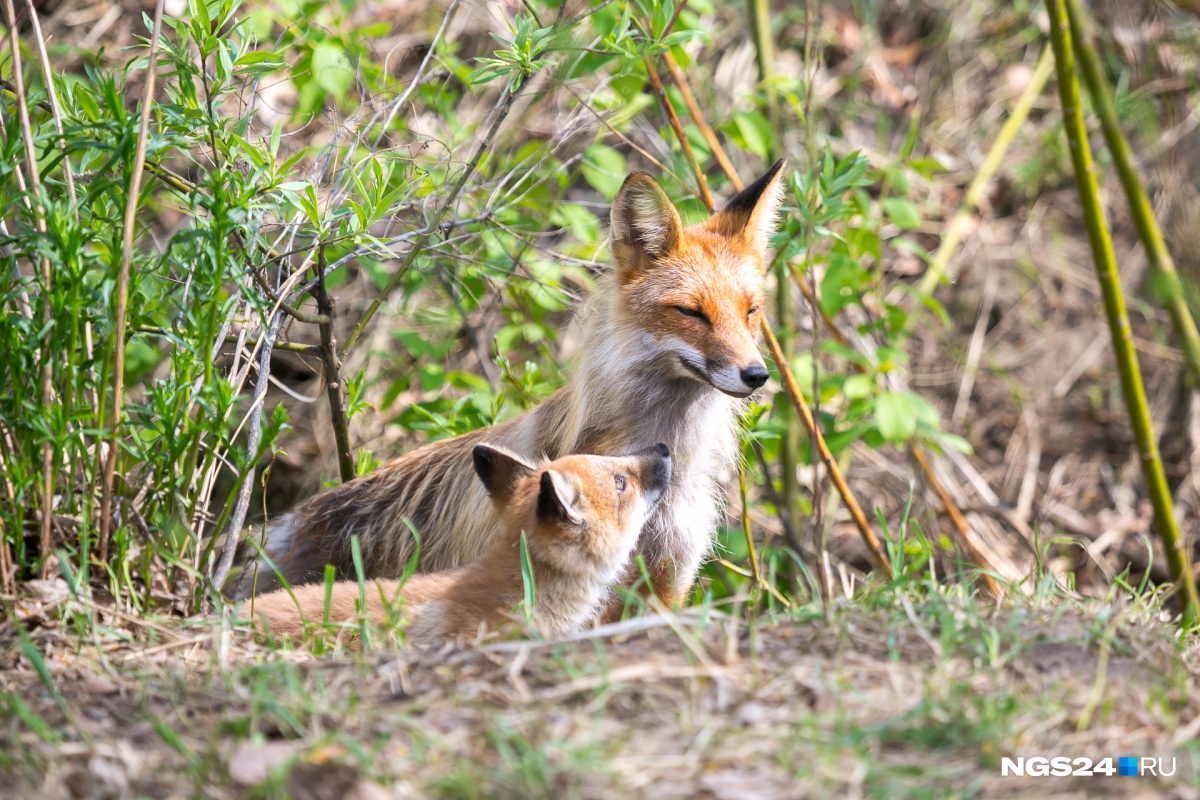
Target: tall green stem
x=1118, y=318
x=785, y=311
x=1166, y=279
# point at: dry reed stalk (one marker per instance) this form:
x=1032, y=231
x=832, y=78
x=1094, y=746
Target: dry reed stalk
x=698, y=117
x=122, y=291
x=47, y=487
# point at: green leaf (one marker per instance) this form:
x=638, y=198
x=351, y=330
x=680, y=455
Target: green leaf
x=604, y=169
x=331, y=69
x=259, y=57
x=927, y=166
x=802, y=371
x=952, y=441
x=841, y=283
x=486, y=74
x=922, y=410
x=894, y=417
x=578, y=220
x=902, y=212
x=755, y=132
x=857, y=387
x=528, y=584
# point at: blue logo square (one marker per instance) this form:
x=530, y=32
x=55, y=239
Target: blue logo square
x=1128, y=766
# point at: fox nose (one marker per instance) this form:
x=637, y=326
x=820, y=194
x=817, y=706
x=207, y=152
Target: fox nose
x=658, y=477
x=754, y=375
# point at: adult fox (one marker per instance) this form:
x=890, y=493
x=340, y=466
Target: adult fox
x=669, y=353
x=581, y=516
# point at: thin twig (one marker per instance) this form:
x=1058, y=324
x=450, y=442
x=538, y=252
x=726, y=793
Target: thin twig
x=956, y=516
x=293, y=312
x=1118, y=318
x=333, y=376
x=291, y=347
x=960, y=524
x=122, y=292
x=233, y=528
x=773, y=496
x=11, y=90
x=176, y=182
x=69, y=179
x=703, y=192
x=52, y=95
x=416, y=79
x=502, y=110
x=698, y=117
x=625, y=140
x=785, y=307
x=758, y=579
x=835, y=474
x=819, y=316
x=918, y=449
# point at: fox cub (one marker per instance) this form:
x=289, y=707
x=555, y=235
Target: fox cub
x=668, y=353
x=581, y=516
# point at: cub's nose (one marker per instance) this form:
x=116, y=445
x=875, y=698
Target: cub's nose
x=656, y=471
x=754, y=375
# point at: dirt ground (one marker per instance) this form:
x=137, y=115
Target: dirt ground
x=921, y=695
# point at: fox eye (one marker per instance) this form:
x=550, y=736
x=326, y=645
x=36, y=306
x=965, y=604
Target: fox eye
x=620, y=481
x=752, y=312
x=691, y=312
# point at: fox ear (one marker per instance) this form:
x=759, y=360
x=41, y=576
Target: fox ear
x=499, y=470
x=558, y=499
x=645, y=226
x=751, y=215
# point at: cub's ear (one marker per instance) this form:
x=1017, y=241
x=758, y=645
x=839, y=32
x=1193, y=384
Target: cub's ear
x=751, y=215
x=558, y=500
x=499, y=470
x=645, y=226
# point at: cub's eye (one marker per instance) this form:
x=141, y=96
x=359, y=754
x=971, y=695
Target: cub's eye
x=620, y=481
x=752, y=312
x=691, y=312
